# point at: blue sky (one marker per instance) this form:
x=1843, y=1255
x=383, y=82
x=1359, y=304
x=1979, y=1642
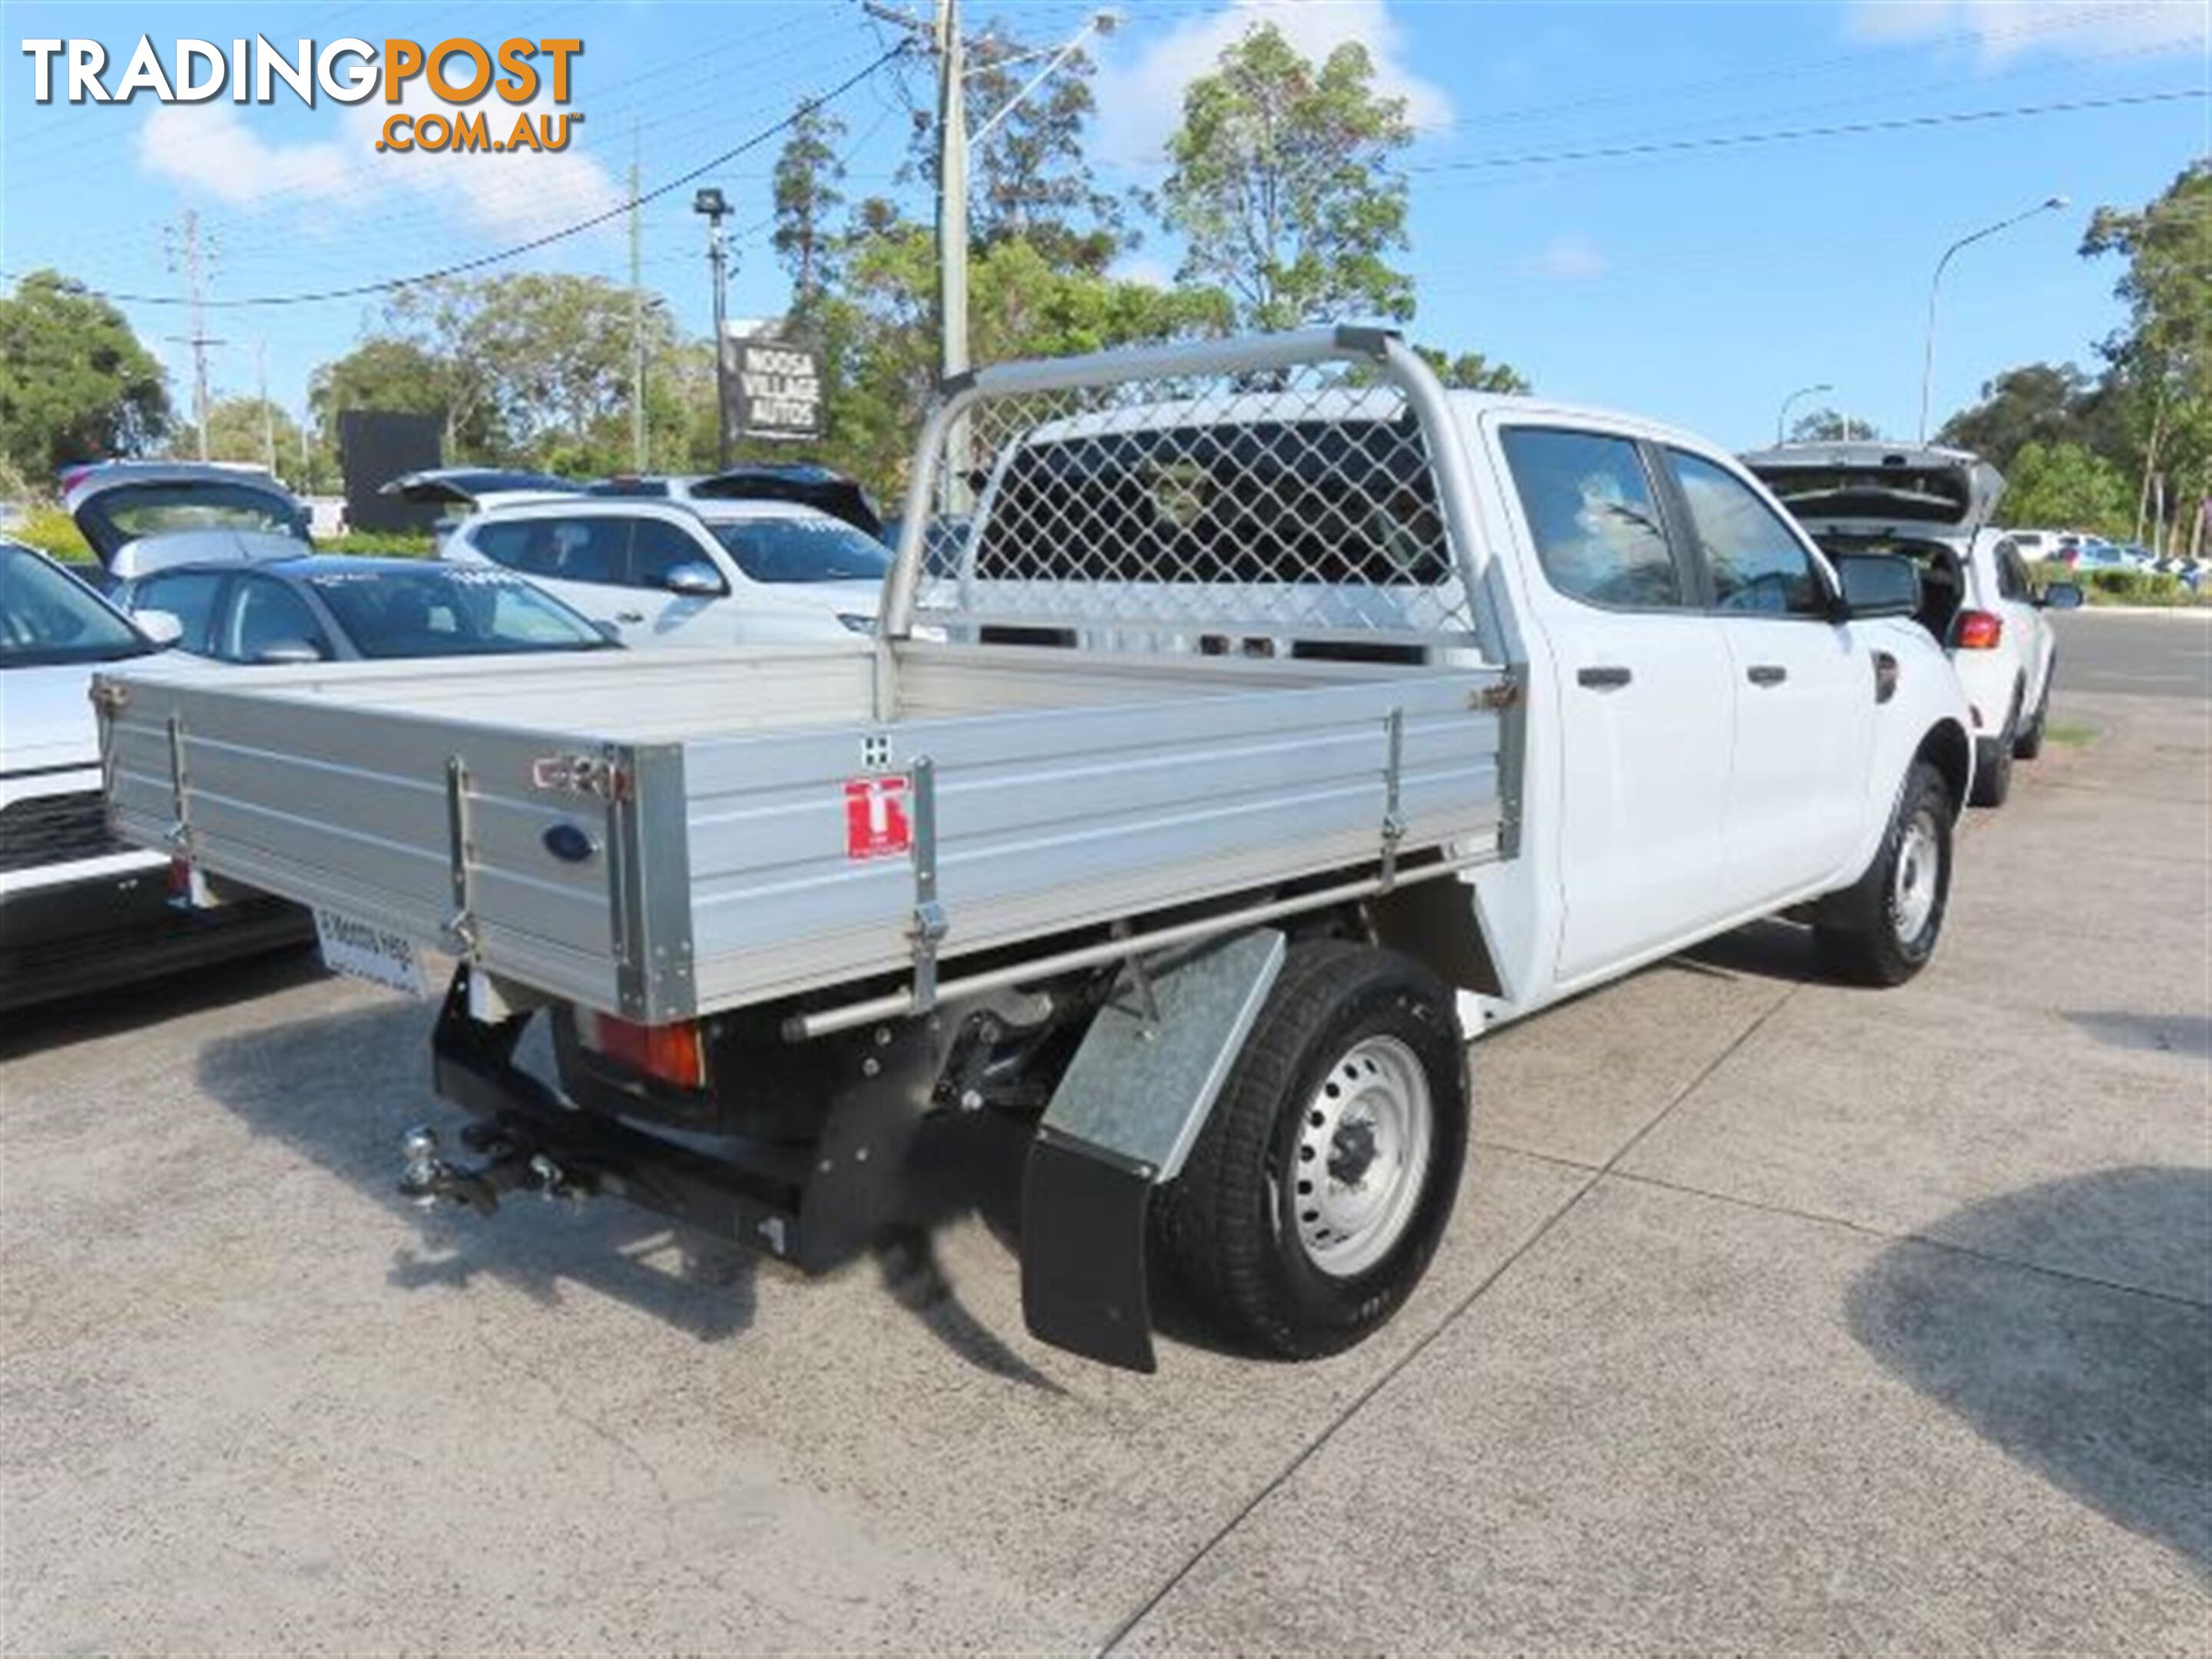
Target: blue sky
x=1695, y=284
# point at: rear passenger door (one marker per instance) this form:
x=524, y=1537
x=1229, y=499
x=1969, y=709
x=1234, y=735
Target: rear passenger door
x=1803, y=689
x=1642, y=686
x=2024, y=620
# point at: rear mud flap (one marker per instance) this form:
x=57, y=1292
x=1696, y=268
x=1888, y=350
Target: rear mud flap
x=1083, y=1214
x=1124, y=1117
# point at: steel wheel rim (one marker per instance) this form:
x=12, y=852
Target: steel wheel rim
x=1913, y=887
x=1365, y=1142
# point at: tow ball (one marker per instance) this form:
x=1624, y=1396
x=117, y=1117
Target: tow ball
x=426, y=1179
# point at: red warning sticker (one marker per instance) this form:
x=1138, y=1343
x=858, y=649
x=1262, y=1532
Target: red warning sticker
x=876, y=821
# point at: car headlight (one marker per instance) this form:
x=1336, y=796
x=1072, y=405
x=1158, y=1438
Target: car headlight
x=933, y=633
x=858, y=624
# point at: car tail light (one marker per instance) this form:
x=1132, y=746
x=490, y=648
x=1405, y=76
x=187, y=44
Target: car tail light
x=1978, y=630
x=668, y=1053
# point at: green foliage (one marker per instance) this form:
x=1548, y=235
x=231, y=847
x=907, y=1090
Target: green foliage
x=1282, y=186
x=47, y=528
x=2162, y=361
x=379, y=543
x=2118, y=587
x=1030, y=180
x=239, y=430
x=807, y=174
x=1471, y=371
x=1824, y=425
x=75, y=383
x=1021, y=303
x=2066, y=487
x=2045, y=404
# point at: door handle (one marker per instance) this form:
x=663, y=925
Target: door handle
x=1766, y=673
x=629, y=615
x=1603, y=679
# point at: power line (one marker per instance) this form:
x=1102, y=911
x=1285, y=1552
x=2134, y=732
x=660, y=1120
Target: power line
x=1789, y=135
x=360, y=289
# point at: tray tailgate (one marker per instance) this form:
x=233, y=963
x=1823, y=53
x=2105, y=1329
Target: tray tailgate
x=347, y=808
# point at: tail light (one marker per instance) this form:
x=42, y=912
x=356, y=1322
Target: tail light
x=1977, y=630
x=668, y=1053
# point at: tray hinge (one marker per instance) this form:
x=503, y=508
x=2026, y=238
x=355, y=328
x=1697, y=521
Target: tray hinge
x=930, y=925
x=1393, y=821
x=461, y=926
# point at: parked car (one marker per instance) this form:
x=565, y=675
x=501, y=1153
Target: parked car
x=694, y=572
x=1978, y=597
x=326, y=609
x=79, y=909
x=459, y=491
x=801, y=483
x=1480, y=702
x=142, y=516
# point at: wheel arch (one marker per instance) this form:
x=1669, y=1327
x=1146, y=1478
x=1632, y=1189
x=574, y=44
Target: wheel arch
x=1946, y=747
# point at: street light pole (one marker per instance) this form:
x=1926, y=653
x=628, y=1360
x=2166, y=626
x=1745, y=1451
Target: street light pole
x=1781, y=414
x=2051, y=204
x=709, y=201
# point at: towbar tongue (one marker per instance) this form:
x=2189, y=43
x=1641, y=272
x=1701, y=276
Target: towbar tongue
x=426, y=1179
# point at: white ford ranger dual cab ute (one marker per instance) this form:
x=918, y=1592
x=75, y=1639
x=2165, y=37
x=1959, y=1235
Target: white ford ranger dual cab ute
x=1934, y=505
x=1279, y=705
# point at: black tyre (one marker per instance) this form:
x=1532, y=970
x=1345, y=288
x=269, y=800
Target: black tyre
x=1882, y=928
x=1313, y=1201
x=1993, y=761
x=2029, y=744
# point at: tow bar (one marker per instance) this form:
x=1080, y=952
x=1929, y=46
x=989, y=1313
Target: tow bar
x=426, y=1179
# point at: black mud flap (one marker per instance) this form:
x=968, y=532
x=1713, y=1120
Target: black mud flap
x=1084, y=1213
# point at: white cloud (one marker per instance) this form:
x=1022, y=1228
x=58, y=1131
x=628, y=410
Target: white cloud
x=2004, y=29
x=1569, y=259
x=211, y=148
x=1140, y=99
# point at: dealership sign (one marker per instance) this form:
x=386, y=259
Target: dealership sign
x=774, y=388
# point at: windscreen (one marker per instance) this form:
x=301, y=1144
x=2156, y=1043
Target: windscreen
x=47, y=616
x=449, y=611
x=803, y=549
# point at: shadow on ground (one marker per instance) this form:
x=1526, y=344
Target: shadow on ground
x=342, y=1089
x=1765, y=949
x=2106, y=1391
x=2189, y=1034
x=120, y=1008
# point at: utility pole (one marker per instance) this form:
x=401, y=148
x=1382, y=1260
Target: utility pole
x=952, y=236
x=199, y=339
x=268, y=409
x=710, y=201
x=637, y=318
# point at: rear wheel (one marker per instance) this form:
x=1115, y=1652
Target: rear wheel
x=1993, y=761
x=2029, y=744
x=1313, y=1202
x=1882, y=928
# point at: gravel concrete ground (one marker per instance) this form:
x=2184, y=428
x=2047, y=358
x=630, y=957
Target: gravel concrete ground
x=1775, y=1315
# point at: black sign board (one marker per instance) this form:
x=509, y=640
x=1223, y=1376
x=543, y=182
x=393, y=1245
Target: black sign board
x=774, y=388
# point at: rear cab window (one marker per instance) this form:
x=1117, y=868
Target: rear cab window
x=1594, y=518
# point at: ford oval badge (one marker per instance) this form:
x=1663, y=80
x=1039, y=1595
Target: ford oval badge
x=570, y=843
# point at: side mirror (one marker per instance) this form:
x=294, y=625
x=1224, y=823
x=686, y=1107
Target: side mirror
x=695, y=580
x=1876, y=584
x=160, y=626
x=287, y=651
x=2062, y=596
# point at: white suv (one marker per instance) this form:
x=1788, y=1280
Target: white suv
x=1978, y=597
x=78, y=907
